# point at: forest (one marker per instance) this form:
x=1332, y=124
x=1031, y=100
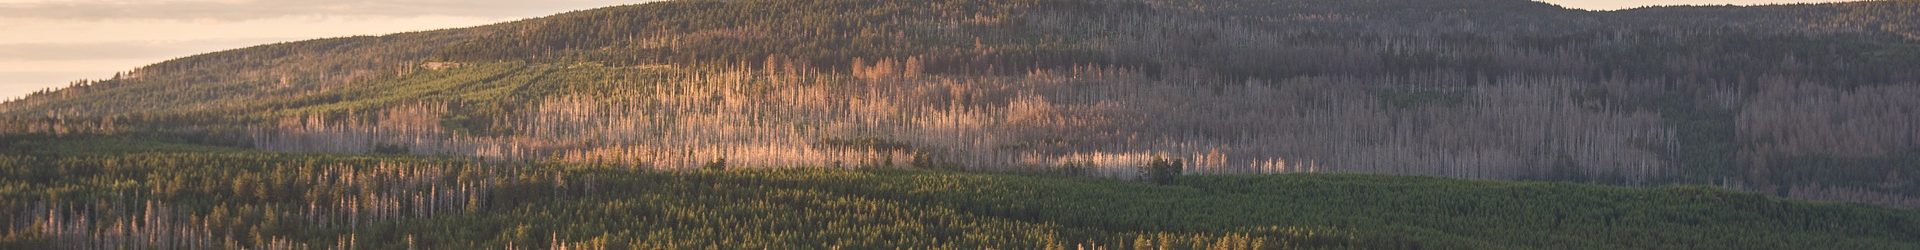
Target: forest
x=1005, y=124
x=117, y=193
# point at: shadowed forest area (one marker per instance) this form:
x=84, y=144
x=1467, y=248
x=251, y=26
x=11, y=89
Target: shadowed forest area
x=1007, y=124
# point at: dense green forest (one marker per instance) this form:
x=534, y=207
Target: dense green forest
x=1040, y=123
x=112, y=192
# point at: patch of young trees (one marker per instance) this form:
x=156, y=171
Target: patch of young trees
x=160, y=195
x=1471, y=89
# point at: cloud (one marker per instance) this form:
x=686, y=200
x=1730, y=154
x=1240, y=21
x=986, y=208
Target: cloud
x=266, y=9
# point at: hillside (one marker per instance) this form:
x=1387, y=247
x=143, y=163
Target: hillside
x=1799, y=100
x=126, y=193
x=1807, y=102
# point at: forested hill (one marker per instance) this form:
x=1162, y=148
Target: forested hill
x=1808, y=101
x=119, y=193
x=1237, y=38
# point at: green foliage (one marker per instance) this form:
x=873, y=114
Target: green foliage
x=866, y=143
x=1708, y=140
x=719, y=164
x=928, y=160
x=1414, y=98
x=1162, y=171
x=52, y=145
x=260, y=198
x=1073, y=168
x=1887, y=173
x=390, y=149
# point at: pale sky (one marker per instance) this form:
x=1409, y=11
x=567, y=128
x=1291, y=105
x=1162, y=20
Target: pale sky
x=49, y=43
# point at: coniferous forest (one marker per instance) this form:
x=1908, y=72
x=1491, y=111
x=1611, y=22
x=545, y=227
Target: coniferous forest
x=1004, y=124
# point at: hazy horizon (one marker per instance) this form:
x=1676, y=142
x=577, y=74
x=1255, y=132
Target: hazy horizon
x=56, y=42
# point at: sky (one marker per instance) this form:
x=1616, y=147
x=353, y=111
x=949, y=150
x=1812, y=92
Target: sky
x=49, y=43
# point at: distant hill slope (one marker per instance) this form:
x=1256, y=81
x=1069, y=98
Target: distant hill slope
x=1018, y=35
x=1811, y=101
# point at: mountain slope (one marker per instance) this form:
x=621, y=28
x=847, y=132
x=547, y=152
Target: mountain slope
x=1807, y=101
x=1040, y=33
